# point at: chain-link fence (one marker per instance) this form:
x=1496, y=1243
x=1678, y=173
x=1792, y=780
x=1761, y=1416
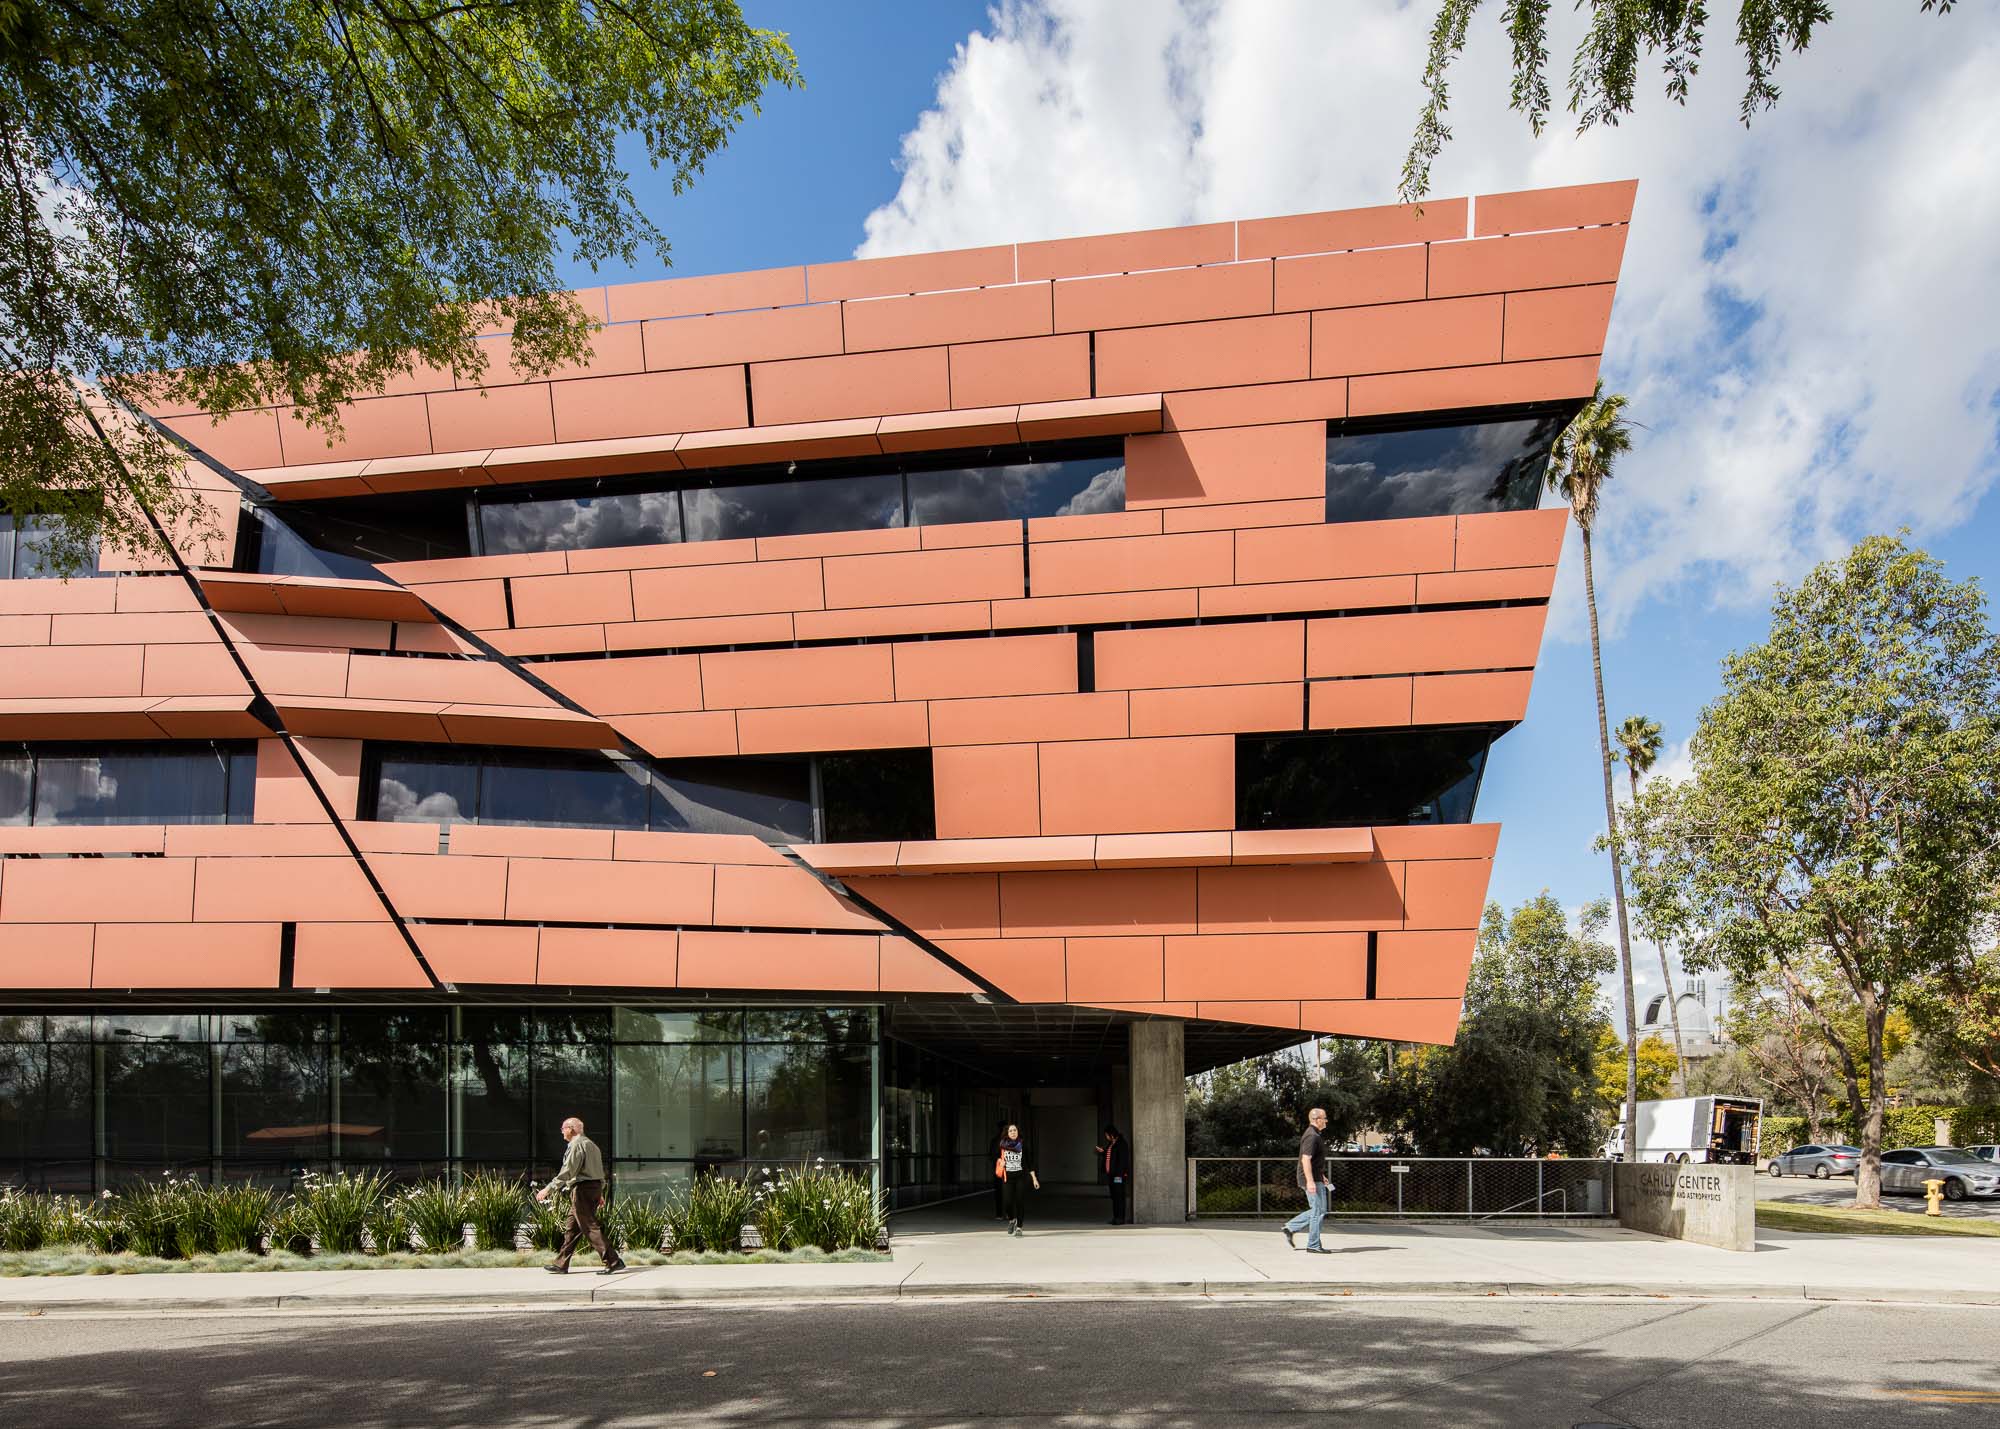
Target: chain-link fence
x=1405, y=1187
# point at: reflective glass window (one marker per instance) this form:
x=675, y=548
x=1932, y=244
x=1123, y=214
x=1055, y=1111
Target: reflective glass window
x=131, y=784
x=27, y=550
x=1337, y=780
x=571, y=1080
x=391, y=1080
x=680, y=1101
x=586, y=792
x=427, y=788
x=580, y=523
x=1016, y=491
x=349, y=536
x=45, y=1109
x=492, y=1102
x=878, y=794
x=809, y=1101
x=1439, y=470
x=645, y=1024
x=17, y=786
x=157, y=1108
x=810, y=1024
x=769, y=799
x=274, y=1101
x=793, y=508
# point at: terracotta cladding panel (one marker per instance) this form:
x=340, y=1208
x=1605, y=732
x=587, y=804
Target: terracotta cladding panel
x=753, y=588
x=1407, y=1020
x=1353, y=593
x=1249, y=406
x=477, y=605
x=1111, y=608
x=782, y=897
x=987, y=791
x=780, y=961
x=837, y=543
x=1557, y=322
x=1133, y=563
x=908, y=968
x=1492, y=386
x=573, y=600
x=1511, y=538
x=357, y=955
x=1228, y=464
x=115, y=891
x=914, y=273
x=1262, y=966
x=1229, y=290
x=1569, y=207
x=925, y=577
x=476, y=956
x=480, y=682
x=578, y=890
x=1035, y=369
x=1138, y=785
x=74, y=672
x=376, y=427
x=612, y=349
x=1460, y=587
x=833, y=674
x=1347, y=549
x=1242, y=515
x=773, y=628
x=1447, y=893
x=893, y=620
x=192, y=670
x=1400, y=337
x=1199, y=850
x=1129, y=252
x=635, y=684
x=1000, y=665
x=164, y=628
x=949, y=905
x=1430, y=964
x=41, y=597
x=1361, y=704
x=1426, y=641
x=1353, y=228
x=486, y=417
x=1539, y=260
x=1280, y=898
x=1224, y=709
x=966, y=426
x=1115, y=969
x=765, y=335
x=869, y=384
x=1421, y=841
x=931, y=319
x=542, y=640
x=1029, y=717
x=185, y=955
x=48, y=955
x=319, y=890
x=646, y=404
x=241, y=440
x=1093, y=525
x=1107, y=902
x=298, y=672
x=1345, y=280
x=432, y=885
x=1167, y=657
x=1487, y=697
x=886, y=725
x=1030, y=969
x=717, y=293
x=608, y=957
x=1206, y=354
x=682, y=736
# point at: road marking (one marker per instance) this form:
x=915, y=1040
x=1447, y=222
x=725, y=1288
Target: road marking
x=1945, y=1396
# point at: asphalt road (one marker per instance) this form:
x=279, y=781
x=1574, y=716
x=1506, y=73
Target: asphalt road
x=1484, y=1362
x=1839, y=1191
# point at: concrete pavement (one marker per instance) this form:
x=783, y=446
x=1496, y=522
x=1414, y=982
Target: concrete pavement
x=951, y=1251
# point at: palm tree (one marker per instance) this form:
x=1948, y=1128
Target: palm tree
x=1579, y=465
x=1639, y=745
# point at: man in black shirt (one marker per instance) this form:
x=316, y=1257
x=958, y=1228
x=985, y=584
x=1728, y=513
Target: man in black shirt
x=1312, y=1179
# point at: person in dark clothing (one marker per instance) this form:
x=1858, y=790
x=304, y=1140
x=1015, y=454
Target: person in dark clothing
x=1114, y=1154
x=993, y=1158
x=1017, y=1160
x=1312, y=1180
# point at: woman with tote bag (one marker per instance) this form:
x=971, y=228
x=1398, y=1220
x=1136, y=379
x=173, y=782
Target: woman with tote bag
x=1016, y=1168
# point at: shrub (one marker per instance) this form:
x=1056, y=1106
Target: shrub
x=546, y=1222
x=828, y=1208
x=437, y=1213
x=333, y=1209
x=158, y=1218
x=239, y=1215
x=637, y=1222
x=493, y=1205
x=27, y=1221
x=710, y=1214
x=388, y=1226
x=288, y=1229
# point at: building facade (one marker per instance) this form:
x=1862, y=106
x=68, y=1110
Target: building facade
x=863, y=702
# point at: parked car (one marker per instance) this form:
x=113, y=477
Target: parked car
x=1908, y=1167
x=1985, y=1153
x=1817, y=1161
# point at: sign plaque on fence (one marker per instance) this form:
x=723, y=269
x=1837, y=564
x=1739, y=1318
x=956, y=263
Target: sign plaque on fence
x=1399, y=1170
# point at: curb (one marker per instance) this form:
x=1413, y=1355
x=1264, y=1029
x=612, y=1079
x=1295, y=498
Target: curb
x=1063, y=1290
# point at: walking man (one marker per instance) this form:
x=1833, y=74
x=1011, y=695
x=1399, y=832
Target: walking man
x=582, y=1175
x=1312, y=1177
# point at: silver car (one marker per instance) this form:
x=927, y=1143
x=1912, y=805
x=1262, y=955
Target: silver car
x=1817, y=1161
x=1908, y=1167
x=1986, y=1153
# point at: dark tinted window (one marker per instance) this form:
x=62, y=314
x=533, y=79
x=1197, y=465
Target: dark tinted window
x=346, y=536
x=877, y=794
x=584, y=791
x=426, y=787
x=1335, y=780
x=793, y=508
x=64, y=784
x=1439, y=470
x=1902, y=1158
x=27, y=550
x=1006, y=493
x=770, y=799
x=580, y=523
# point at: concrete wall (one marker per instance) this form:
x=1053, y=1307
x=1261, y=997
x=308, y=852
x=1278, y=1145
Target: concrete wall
x=1714, y=1205
x=1159, y=1122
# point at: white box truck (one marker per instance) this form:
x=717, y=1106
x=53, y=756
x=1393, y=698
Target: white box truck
x=1716, y=1130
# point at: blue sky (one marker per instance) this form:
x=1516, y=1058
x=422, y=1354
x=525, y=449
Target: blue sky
x=1808, y=323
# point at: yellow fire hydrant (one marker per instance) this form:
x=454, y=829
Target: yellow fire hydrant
x=1934, y=1193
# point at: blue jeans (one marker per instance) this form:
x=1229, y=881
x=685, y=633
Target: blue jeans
x=1308, y=1220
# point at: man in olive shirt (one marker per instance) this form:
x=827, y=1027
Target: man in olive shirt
x=582, y=1174
x=1312, y=1179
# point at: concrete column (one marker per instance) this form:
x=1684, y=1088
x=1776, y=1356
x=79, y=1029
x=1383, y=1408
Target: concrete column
x=1159, y=1121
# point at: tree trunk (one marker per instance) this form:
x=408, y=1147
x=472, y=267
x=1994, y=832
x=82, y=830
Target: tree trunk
x=1868, y=1175
x=1617, y=862
x=1667, y=982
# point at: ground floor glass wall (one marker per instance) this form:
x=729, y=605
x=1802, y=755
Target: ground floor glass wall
x=90, y=1101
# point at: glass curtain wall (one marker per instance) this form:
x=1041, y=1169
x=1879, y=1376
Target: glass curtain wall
x=265, y=1096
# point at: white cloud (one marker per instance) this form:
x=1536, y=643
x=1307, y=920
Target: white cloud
x=1808, y=323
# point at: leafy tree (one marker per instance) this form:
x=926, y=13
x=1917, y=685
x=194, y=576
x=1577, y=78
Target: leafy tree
x=292, y=202
x=1658, y=1069
x=1958, y=1011
x=1579, y=466
x=1258, y=1107
x=1782, y=1045
x=1520, y=1077
x=1638, y=741
x=1841, y=832
x=1604, y=71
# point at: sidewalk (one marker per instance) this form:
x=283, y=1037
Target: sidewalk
x=954, y=1259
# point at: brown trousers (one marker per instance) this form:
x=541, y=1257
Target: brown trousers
x=584, y=1200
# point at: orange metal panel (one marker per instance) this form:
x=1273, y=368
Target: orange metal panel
x=714, y=293
x=1030, y=969
x=1465, y=587
x=869, y=384
x=1345, y=280
x=1260, y=1014
x=478, y=955
x=1549, y=381
x=1361, y=704
x=320, y=890
x=1557, y=322
x=1355, y=548
x=933, y=319
x=781, y=897
x=1486, y=697
x=192, y=670
x=47, y=955
x=1402, y=337
x=1447, y=893
x=136, y=593
x=1262, y=463
x=126, y=890
x=81, y=838
x=1332, y=897
x=1094, y=525
x=190, y=955
x=784, y=441
x=161, y=628
x=924, y=577
x=433, y=885
x=1539, y=260
x=989, y=855
x=484, y=418
x=1405, y=1020
x=74, y=672
x=1207, y=354
x=1431, y=640
x=1237, y=516
x=908, y=968
x=612, y=349
x=1029, y=717
x=385, y=677
x=762, y=335
x=353, y=955
x=608, y=957
x=1132, y=563
x=477, y=605
x=937, y=431
x=243, y=840
x=916, y=273
x=24, y=629
x=828, y=727
x=843, y=858
x=645, y=404
x=542, y=640
x=1353, y=228
x=577, y=890
x=42, y=597
x=1512, y=538
x=1256, y=965
x=833, y=674
x=770, y=629
x=1261, y=846
x=1096, y=417
x=987, y=791
x=239, y=440
x=1250, y=406
x=1227, y=290
x=1417, y=841
x=379, y=426
x=1139, y=786
x=998, y=665
x=630, y=684
x=1568, y=207
x=1115, y=969
x=635, y=558
x=837, y=543
x=1109, y=902
x=750, y=589
x=946, y=905
x=573, y=600
x=815, y=961
x=1351, y=593
x=1032, y=369
x=1222, y=709
x=1168, y=657
x=1162, y=850
x=1128, y=252
x=641, y=846
x=682, y=736
x=893, y=620
x=1430, y=964
x=1107, y=609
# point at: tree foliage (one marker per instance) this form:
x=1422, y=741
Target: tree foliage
x=1258, y=1107
x=1604, y=70
x=291, y=202
x=1657, y=1069
x=1841, y=832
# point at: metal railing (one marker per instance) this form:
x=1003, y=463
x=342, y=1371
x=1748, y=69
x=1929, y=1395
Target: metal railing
x=1471, y=1188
